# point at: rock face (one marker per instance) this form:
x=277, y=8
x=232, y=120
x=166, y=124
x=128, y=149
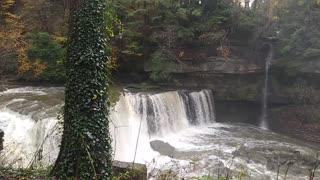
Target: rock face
x=293, y=85
x=221, y=65
x=124, y=171
x=1, y=139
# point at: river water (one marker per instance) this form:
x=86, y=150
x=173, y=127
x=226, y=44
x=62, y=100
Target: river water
x=180, y=124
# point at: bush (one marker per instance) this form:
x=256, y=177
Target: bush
x=48, y=51
x=161, y=66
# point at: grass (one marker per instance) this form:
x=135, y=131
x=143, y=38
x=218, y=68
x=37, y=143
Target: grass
x=24, y=174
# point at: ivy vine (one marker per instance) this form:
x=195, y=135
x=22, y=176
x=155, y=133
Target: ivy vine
x=85, y=151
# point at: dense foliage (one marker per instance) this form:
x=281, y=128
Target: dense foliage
x=157, y=36
x=299, y=30
x=47, y=53
x=162, y=33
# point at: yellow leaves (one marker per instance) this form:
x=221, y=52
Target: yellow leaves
x=11, y=37
x=60, y=39
x=112, y=60
x=7, y=4
x=25, y=64
x=11, y=16
x=12, y=28
x=36, y=67
x=39, y=67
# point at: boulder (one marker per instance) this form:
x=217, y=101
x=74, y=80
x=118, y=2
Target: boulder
x=163, y=148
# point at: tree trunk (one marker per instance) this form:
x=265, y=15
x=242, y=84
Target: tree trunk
x=85, y=151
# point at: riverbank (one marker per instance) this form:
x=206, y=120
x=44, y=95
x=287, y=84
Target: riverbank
x=121, y=171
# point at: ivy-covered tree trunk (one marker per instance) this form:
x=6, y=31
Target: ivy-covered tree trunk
x=85, y=151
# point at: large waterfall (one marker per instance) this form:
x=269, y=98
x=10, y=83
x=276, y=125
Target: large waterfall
x=159, y=115
x=182, y=122
x=28, y=117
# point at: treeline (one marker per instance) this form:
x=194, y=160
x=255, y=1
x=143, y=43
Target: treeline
x=156, y=36
x=32, y=39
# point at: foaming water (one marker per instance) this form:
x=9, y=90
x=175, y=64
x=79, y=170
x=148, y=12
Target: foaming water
x=161, y=115
x=184, y=120
x=28, y=116
x=24, y=90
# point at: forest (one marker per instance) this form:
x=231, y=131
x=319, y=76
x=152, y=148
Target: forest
x=153, y=37
x=160, y=89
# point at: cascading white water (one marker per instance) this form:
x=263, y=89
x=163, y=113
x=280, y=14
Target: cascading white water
x=161, y=114
x=180, y=118
x=28, y=118
x=264, y=119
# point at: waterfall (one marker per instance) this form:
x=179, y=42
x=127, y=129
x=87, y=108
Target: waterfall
x=177, y=127
x=28, y=117
x=264, y=118
x=161, y=114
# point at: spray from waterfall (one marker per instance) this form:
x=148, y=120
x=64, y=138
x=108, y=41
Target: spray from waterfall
x=264, y=117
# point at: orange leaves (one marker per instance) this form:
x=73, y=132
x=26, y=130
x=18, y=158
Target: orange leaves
x=7, y=5
x=112, y=60
x=36, y=67
x=39, y=67
x=25, y=64
x=11, y=37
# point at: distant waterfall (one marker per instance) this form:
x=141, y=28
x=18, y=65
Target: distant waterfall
x=264, y=119
x=161, y=114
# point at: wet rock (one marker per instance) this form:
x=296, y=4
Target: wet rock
x=1, y=139
x=125, y=171
x=163, y=148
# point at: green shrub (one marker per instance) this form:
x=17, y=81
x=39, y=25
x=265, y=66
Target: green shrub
x=161, y=66
x=49, y=51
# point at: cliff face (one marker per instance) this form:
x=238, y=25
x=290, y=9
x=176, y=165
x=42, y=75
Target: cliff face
x=234, y=79
x=294, y=91
x=239, y=79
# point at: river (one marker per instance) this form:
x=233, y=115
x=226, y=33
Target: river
x=181, y=125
